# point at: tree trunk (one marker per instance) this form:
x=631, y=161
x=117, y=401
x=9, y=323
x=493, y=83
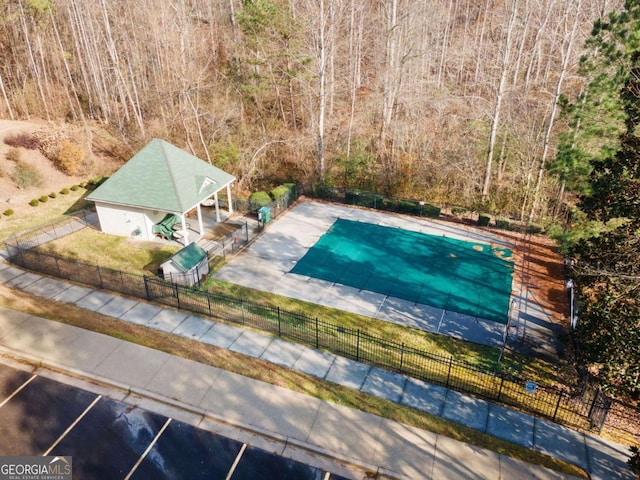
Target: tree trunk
x=566, y=57
x=495, y=122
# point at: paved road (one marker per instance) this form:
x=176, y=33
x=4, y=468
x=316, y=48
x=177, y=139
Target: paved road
x=111, y=439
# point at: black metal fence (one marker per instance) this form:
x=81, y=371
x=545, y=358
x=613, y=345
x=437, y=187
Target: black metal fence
x=583, y=409
x=379, y=201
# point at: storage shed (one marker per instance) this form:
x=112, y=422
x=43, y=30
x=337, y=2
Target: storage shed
x=188, y=266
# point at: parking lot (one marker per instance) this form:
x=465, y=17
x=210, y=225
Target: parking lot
x=110, y=439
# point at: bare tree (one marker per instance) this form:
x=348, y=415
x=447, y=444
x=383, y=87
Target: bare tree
x=572, y=12
x=495, y=122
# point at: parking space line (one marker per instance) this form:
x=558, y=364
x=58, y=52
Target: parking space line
x=235, y=464
x=70, y=427
x=144, y=454
x=17, y=391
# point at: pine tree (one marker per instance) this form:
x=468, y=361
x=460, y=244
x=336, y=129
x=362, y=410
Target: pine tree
x=607, y=267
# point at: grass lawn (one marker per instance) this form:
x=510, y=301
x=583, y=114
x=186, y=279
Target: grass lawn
x=267, y=372
x=110, y=251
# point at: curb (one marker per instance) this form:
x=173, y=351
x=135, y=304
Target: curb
x=372, y=471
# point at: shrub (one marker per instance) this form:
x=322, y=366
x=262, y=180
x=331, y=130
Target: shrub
x=8, y=212
x=64, y=191
x=259, y=199
x=458, y=211
x=13, y=155
x=96, y=182
x=483, y=220
x=502, y=224
x=70, y=157
x=534, y=229
x=324, y=192
x=43, y=199
x=52, y=195
x=26, y=176
x=74, y=187
x=24, y=140
x=281, y=191
x=409, y=206
x=431, y=210
x=34, y=202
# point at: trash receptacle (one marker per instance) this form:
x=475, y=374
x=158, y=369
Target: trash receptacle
x=264, y=214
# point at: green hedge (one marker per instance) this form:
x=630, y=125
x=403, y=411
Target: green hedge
x=281, y=191
x=483, y=220
x=259, y=199
x=431, y=210
x=503, y=224
x=323, y=192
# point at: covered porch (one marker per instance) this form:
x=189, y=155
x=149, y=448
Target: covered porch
x=203, y=217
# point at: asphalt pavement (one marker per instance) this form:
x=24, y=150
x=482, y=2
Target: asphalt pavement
x=393, y=449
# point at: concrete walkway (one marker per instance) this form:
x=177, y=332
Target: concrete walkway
x=399, y=450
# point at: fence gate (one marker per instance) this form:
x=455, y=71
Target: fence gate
x=599, y=410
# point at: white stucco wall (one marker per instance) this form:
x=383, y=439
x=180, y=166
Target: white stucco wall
x=124, y=221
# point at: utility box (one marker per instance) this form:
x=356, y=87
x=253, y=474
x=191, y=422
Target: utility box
x=264, y=214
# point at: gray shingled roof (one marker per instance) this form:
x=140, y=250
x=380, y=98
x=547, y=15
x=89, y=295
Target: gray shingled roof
x=163, y=177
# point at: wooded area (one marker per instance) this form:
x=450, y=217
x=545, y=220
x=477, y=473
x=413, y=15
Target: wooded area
x=450, y=101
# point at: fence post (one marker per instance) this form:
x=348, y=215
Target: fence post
x=401, y=356
x=449, y=372
x=500, y=389
x=279, y=324
x=209, y=303
x=358, y=345
x=560, y=394
x=146, y=287
x=58, y=267
x=242, y=309
x=177, y=293
x=317, y=334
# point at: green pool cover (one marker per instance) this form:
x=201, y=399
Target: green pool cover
x=465, y=277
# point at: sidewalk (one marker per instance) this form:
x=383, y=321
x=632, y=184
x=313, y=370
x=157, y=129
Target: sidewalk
x=402, y=451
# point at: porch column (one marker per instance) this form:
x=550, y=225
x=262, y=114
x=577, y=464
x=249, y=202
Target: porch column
x=215, y=200
x=229, y=202
x=200, y=226
x=185, y=232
